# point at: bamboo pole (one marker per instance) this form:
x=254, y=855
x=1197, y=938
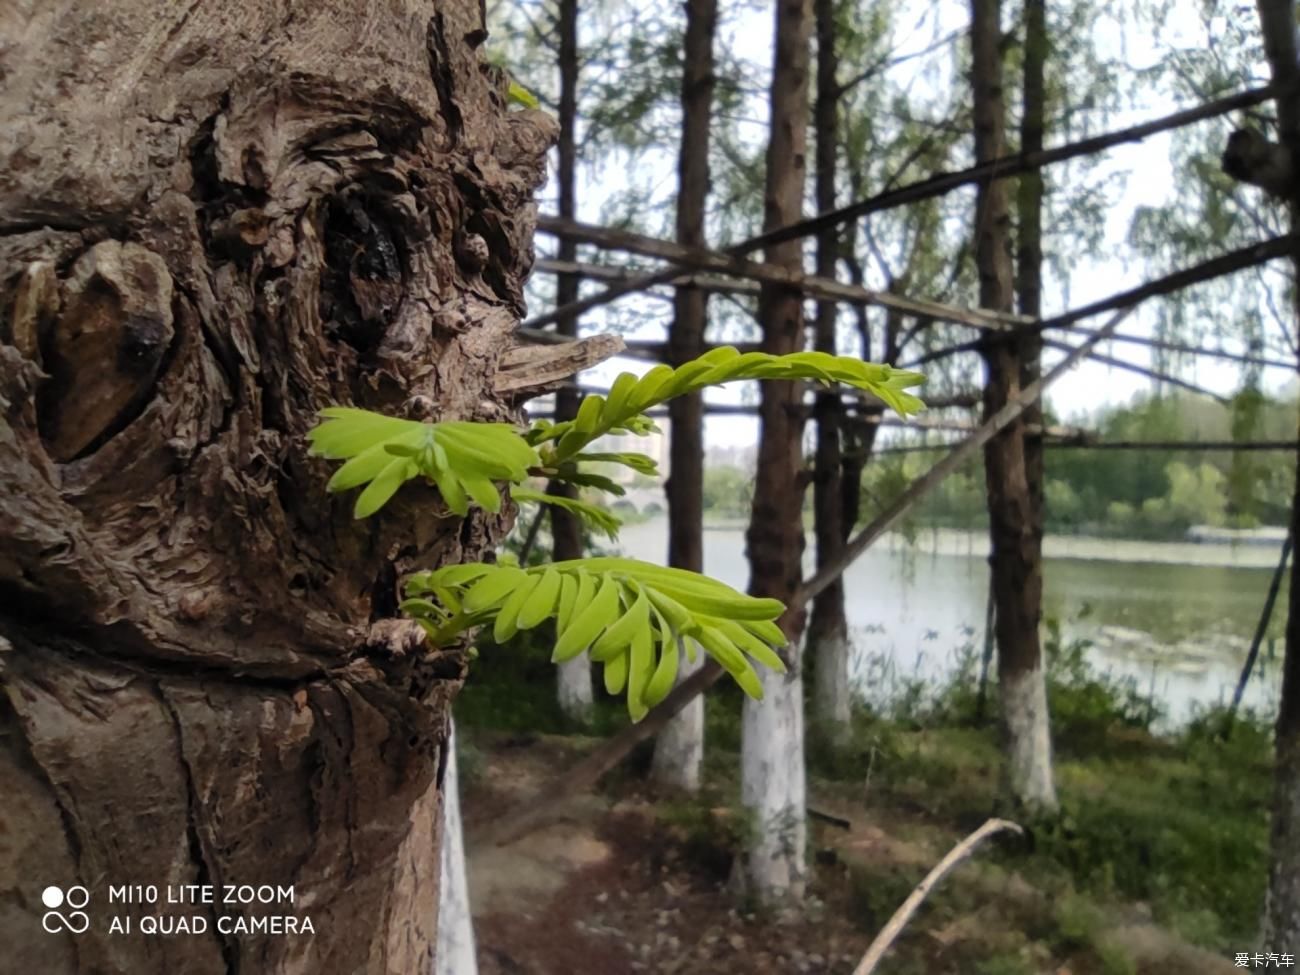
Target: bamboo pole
x=936, y=185
x=728, y=286
x=704, y=259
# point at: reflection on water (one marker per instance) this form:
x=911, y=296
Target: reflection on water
x=1176, y=618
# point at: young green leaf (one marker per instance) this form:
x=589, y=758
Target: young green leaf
x=506, y=623
x=384, y=486
x=493, y=588
x=664, y=676
x=640, y=668
x=540, y=605
x=517, y=93
x=620, y=633
x=594, y=515
x=588, y=622
x=615, y=674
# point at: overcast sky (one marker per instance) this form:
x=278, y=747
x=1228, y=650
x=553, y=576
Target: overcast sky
x=1147, y=180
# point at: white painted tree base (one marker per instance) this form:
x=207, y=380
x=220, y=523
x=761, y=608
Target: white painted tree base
x=679, y=748
x=455, y=952
x=832, y=697
x=573, y=687
x=1027, y=733
x=773, y=787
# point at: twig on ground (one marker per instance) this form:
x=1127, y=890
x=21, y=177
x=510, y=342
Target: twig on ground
x=904, y=914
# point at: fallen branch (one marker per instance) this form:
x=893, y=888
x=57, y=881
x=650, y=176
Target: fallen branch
x=904, y=914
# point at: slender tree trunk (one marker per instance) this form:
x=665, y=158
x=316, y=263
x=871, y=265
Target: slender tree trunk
x=1029, y=251
x=859, y=440
x=455, y=923
x=679, y=749
x=215, y=220
x=573, y=677
x=772, y=771
x=1013, y=514
x=828, y=630
x=1282, y=910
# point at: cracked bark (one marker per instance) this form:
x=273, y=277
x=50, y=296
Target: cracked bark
x=216, y=219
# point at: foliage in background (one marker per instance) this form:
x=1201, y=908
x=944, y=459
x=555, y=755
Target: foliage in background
x=1175, y=821
x=1131, y=493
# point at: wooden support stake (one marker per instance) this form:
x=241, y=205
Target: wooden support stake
x=937, y=185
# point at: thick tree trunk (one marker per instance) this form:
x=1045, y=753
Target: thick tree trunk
x=772, y=773
x=455, y=923
x=215, y=220
x=1015, y=560
x=1282, y=913
x=1282, y=910
x=828, y=629
x=573, y=677
x=679, y=749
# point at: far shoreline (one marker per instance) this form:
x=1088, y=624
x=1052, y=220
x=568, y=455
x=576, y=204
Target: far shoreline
x=974, y=544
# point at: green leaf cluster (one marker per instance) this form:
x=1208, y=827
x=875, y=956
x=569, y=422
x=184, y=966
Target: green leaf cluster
x=593, y=514
x=634, y=618
x=520, y=95
x=464, y=460
x=629, y=396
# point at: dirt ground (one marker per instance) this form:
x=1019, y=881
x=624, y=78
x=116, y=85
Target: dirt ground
x=615, y=886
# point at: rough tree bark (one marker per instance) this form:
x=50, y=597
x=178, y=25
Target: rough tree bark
x=1282, y=906
x=772, y=760
x=679, y=749
x=1014, y=561
x=828, y=629
x=573, y=677
x=216, y=219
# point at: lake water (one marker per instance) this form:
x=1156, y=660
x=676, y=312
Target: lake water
x=1176, y=618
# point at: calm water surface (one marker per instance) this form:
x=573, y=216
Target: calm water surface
x=1175, y=618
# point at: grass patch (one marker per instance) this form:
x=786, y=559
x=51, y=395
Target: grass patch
x=1178, y=823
